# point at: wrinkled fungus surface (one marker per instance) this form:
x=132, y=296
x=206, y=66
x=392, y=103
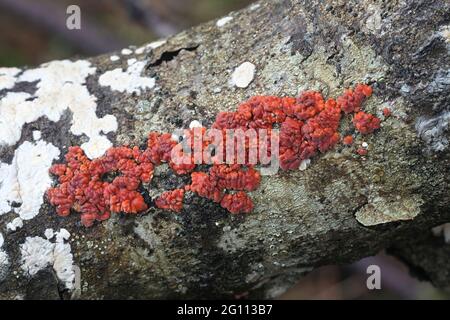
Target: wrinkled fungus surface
x=307, y=124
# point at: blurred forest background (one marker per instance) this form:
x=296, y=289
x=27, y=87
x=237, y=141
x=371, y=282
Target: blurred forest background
x=34, y=31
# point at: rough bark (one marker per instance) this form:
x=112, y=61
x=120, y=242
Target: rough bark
x=340, y=209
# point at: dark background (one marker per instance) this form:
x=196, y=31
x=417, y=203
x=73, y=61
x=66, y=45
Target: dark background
x=34, y=31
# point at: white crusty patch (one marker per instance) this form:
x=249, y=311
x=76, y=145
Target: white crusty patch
x=126, y=51
x=223, y=21
x=36, y=135
x=26, y=179
x=49, y=233
x=156, y=44
x=8, y=77
x=373, y=21
x=63, y=234
x=444, y=33
x=38, y=253
x=114, y=58
x=96, y=146
x=442, y=230
x=63, y=263
x=129, y=81
x=432, y=130
x=150, y=46
x=381, y=209
x=61, y=85
x=15, y=111
x=9, y=187
x=304, y=164
x=243, y=75
x=195, y=124
x=16, y=224
x=33, y=162
x=58, y=73
x=140, y=50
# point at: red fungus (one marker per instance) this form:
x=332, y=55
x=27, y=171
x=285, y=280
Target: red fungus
x=235, y=177
x=387, y=112
x=290, y=148
x=159, y=147
x=83, y=188
x=347, y=140
x=351, y=100
x=365, y=122
x=362, y=151
x=171, y=200
x=321, y=130
x=238, y=202
x=204, y=186
x=308, y=124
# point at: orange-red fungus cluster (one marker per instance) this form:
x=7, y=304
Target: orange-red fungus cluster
x=308, y=124
x=82, y=185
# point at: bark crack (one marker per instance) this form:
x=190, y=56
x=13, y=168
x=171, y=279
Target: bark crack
x=167, y=56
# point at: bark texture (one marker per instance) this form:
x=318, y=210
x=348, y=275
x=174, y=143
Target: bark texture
x=340, y=209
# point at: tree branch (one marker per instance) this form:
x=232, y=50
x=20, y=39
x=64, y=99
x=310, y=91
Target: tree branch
x=341, y=208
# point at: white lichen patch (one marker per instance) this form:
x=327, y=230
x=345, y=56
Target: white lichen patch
x=223, y=21
x=37, y=135
x=13, y=115
x=373, y=21
x=8, y=77
x=195, y=124
x=151, y=46
x=49, y=233
x=381, y=210
x=432, y=131
x=304, y=164
x=444, y=33
x=16, y=224
x=9, y=187
x=63, y=263
x=61, y=86
x=58, y=73
x=140, y=50
x=26, y=179
x=96, y=146
x=129, y=81
x=38, y=253
x=131, y=61
x=126, y=52
x=33, y=162
x=63, y=234
x=156, y=44
x=405, y=89
x=243, y=75
x=114, y=58
x=442, y=230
